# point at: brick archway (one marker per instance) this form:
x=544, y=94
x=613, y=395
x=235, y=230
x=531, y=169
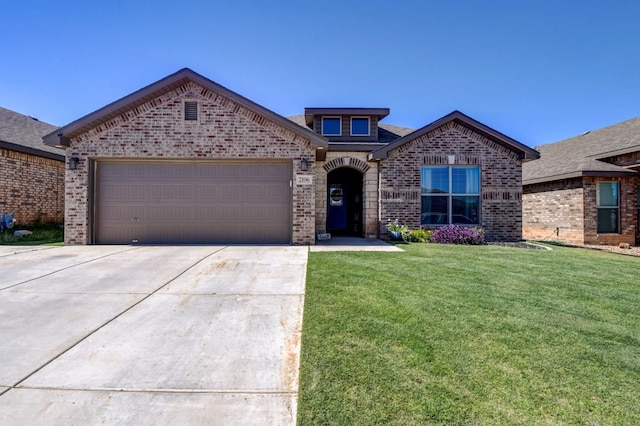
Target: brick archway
x=351, y=162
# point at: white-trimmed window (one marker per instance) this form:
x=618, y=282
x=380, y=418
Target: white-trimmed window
x=331, y=126
x=608, y=207
x=360, y=126
x=450, y=195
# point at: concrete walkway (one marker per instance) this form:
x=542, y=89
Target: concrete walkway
x=150, y=335
x=353, y=244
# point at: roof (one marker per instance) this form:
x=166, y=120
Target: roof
x=524, y=152
x=62, y=136
x=582, y=155
x=387, y=133
x=22, y=133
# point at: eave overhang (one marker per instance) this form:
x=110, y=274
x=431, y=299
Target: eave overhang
x=31, y=151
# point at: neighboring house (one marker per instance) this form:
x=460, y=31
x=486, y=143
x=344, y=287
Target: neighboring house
x=31, y=173
x=185, y=160
x=584, y=190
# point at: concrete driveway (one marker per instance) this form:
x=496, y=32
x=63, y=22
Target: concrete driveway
x=150, y=335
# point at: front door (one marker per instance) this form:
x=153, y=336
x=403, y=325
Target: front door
x=344, y=202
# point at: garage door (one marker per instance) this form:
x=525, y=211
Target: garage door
x=192, y=202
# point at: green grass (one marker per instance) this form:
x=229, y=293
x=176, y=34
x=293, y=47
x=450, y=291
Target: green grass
x=461, y=335
x=43, y=234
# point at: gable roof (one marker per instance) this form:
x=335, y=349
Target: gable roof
x=24, y=134
x=582, y=155
x=522, y=150
x=63, y=135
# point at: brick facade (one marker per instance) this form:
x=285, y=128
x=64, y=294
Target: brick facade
x=32, y=187
x=369, y=170
x=157, y=130
x=500, y=179
x=627, y=215
x=554, y=211
x=566, y=210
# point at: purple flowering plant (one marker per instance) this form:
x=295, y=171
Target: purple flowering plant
x=454, y=234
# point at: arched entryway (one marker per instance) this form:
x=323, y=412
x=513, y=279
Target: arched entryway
x=344, y=202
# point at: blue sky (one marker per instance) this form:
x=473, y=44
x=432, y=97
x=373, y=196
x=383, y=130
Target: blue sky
x=538, y=71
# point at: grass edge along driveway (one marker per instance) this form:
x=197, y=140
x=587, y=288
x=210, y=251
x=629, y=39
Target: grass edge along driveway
x=445, y=334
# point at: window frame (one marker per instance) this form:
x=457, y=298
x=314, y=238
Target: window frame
x=600, y=207
x=451, y=195
x=361, y=118
x=332, y=117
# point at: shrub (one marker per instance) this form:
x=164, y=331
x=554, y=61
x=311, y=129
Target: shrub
x=420, y=236
x=454, y=234
x=397, y=231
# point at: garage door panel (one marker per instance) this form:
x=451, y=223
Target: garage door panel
x=186, y=202
x=123, y=192
x=264, y=215
x=218, y=215
x=123, y=213
x=268, y=192
x=226, y=191
x=170, y=192
x=120, y=234
x=175, y=213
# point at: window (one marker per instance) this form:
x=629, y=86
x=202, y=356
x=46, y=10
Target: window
x=331, y=126
x=359, y=126
x=191, y=111
x=608, y=208
x=450, y=195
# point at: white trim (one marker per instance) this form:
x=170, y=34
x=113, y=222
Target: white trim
x=322, y=125
x=368, y=126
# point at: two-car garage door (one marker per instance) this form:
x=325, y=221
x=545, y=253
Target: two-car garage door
x=181, y=202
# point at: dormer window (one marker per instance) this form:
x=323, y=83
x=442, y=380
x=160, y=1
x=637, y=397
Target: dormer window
x=331, y=126
x=360, y=126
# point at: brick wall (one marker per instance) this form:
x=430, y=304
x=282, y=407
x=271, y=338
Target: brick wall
x=369, y=170
x=567, y=211
x=554, y=211
x=501, y=179
x=156, y=129
x=628, y=211
x=32, y=187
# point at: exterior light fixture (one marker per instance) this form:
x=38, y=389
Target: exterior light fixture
x=73, y=163
x=304, y=164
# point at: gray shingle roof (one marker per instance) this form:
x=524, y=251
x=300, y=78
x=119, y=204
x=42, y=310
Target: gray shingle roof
x=581, y=155
x=24, y=134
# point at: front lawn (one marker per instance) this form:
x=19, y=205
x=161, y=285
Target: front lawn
x=43, y=234
x=471, y=335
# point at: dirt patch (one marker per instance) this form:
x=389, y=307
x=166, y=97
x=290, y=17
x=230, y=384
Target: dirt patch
x=631, y=251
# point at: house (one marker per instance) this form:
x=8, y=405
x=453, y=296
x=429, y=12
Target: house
x=31, y=173
x=185, y=160
x=584, y=190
